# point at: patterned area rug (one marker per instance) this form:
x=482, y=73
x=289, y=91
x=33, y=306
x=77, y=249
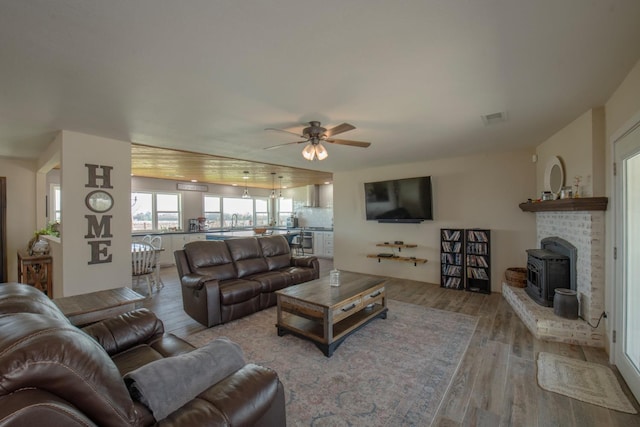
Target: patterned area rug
x=589, y=382
x=393, y=371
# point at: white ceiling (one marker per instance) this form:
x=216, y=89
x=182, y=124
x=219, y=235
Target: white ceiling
x=208, y=76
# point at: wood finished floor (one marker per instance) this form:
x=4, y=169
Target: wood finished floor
x=496, y=382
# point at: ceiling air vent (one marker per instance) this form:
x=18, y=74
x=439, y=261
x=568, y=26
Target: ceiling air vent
x=493, y=118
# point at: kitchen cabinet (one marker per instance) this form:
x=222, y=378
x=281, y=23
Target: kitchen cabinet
x=323, y=244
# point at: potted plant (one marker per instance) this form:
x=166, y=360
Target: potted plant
x=39, y=246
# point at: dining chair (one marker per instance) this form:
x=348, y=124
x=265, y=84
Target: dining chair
x=295, y=243
x=143, y=257
x=156, y=242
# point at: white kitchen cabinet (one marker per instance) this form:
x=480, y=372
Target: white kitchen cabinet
x=323, y=244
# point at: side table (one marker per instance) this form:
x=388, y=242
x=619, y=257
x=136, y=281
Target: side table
x=36, y=270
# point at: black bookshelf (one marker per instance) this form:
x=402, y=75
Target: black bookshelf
x=452, y=258
x=478, y=260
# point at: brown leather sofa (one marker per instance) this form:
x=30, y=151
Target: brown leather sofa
x=225, y=280
x=55, y=374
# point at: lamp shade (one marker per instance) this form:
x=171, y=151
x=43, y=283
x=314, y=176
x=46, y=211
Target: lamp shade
x=309, y=152
x=321, y=152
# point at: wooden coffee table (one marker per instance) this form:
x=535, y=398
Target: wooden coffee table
x=327, y=315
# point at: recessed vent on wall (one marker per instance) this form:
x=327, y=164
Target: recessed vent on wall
x=493, y=118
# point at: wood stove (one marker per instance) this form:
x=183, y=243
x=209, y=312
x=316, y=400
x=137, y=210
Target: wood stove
x=553, y=266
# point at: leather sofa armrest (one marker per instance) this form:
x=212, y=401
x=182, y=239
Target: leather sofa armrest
x=195, y=281
x=120, y=333
x=304, y=261
x=33, y=407
x=252, y=395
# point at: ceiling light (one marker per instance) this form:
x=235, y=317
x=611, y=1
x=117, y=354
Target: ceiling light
x=321, y=152
x=245, y=194
x=315, y=150
x=309, y=152
x=273, y=185
x=280, y=195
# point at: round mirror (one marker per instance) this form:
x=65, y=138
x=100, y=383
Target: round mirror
x=99, y=201
x=554, y=176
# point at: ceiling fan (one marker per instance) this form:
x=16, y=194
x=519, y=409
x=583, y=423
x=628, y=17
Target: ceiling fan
x=315, y=135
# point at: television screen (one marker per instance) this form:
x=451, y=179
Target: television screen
x=399, y=200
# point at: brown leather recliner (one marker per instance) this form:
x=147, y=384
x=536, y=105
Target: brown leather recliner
x=225, y=280
x=55, y=374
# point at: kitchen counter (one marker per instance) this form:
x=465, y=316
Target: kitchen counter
x=236, y=234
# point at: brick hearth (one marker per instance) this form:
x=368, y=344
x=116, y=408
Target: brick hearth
x=584, y=230
x=545, y=325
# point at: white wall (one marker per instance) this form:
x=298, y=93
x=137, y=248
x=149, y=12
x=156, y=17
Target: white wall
x=580, y=147
x=21, y=208
x=78, y=276
x=480, y=191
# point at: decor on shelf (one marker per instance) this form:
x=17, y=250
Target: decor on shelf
x=576, y=183
x=315, y=135
x=39, y=246
x=245, y=194
x=554, y=176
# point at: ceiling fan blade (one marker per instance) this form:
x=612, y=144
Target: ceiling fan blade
x=349, y=142
x=286, y=131
x=286, y=143
x=339, y=129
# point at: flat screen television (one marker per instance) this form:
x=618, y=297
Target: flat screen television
x=400, y=200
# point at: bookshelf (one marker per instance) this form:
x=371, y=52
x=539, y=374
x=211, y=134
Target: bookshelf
x=452, y=258
x=478, y=260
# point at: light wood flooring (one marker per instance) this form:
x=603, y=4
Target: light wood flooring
x=496, y=382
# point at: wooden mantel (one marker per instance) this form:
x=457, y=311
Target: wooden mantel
x=578, y=204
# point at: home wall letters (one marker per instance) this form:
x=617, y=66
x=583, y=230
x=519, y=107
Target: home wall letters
x=100, y=201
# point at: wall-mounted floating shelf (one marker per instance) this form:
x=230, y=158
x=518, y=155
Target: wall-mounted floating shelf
x=394, y=257
x=398, y=246
x=415, y=261
x=577, y=204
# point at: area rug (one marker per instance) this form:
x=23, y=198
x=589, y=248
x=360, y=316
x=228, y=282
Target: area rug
x=589, y=382
x=392, y=372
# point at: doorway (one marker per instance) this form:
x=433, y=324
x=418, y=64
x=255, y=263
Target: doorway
x=627, y=243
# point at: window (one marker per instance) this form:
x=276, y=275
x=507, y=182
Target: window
x=285, y=210
x=212, y=211
x=237, y=212
x=155, y=211
x=56, y=204
x=168, y=212
x=262, y=211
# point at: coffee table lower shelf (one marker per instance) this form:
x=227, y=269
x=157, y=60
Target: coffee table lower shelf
x=312, y=329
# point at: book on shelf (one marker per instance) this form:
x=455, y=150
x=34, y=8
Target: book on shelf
x=451, y=235
x=477, y=261
x=477, y=236
x=452, y=282
x=451, y=246
x=451, y=258
x=477, y=273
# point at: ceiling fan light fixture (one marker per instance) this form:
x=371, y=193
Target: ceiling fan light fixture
x=321, y=152
x=309, y=152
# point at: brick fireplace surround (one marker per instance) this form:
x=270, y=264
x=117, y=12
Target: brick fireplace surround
x=584, y=230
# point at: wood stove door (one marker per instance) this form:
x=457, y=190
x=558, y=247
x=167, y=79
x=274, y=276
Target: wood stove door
x=627, y=271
